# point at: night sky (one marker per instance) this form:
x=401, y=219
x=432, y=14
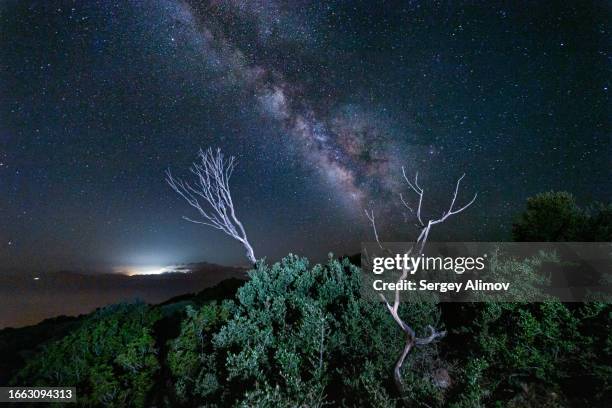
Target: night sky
x=321, y=103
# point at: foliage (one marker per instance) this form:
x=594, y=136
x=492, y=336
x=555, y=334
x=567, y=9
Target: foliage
x=110, y=358
x=18, y=345
x=525, y=274
x=555, y=216
x=599, y=226
x=190, y=359
x=528, y=351
x=298, y=336
x=573, y=347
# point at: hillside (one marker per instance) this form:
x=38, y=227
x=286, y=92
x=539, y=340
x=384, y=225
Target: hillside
x=28, y=298
x=19, y=344
x=300, y=334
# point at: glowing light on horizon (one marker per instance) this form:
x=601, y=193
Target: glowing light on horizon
x=151, y=270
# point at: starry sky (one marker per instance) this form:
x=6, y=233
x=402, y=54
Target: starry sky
x=321, y=103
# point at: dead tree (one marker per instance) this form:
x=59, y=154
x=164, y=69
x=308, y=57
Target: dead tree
x=210, y=195
x=411, y=338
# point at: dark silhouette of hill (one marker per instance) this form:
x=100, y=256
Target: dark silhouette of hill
x=26, y=299
x=18, y=344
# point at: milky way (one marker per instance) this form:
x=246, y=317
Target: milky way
x=343, y=143
x=322, y=102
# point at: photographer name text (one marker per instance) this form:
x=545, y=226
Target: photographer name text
x=443, y=287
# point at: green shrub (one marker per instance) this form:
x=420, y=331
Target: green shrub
x=555, y=216
x=111, y=359
x=297, y=336
x=537, y=352
x=191, y=358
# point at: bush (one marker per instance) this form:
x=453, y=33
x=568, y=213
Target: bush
x=555, y=216
x=297, y=336
x=546, y=353
x=191, y=358
x=110, y=358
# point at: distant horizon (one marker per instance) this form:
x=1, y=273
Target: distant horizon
x=124, y=269
x=47, y=298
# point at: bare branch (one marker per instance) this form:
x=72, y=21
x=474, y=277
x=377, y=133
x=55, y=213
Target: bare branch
x=411, y=338
x=405, y=203
x=417, y=190
x=397, y=370
x=432, y=337
x=450, y=211
x=210, y=195
x=373, y=222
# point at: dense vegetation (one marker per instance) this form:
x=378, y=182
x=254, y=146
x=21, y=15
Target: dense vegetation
x=111, y=358
x=297, y=334
x=292, y=333
x=555, y=216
